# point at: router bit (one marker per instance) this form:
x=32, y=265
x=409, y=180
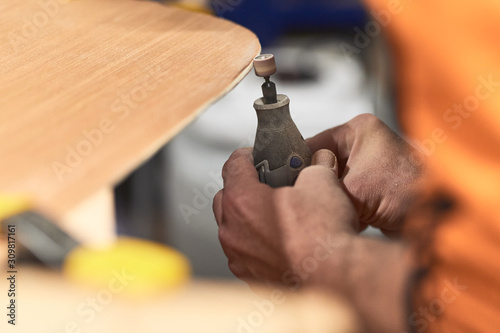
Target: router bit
x=280, y=152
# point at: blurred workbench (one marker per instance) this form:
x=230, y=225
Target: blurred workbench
x=201, y=306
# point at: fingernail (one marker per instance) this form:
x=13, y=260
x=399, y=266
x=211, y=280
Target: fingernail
x=326, y=158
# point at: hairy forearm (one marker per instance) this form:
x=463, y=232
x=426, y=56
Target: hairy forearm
x=373, y=274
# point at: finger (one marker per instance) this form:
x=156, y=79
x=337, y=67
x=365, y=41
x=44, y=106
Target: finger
x=341, y=139
x=362, y=226
x=334, y=139
x=239, y=270
x=321, y=172
x=239, y=171
x=217, y=206
x=326, y=158
x=317, y=176
x=338, y=139
x=321, y=184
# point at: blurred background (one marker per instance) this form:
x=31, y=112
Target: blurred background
x=330, y=67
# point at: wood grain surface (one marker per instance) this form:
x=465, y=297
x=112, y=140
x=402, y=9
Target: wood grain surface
x=90, y=89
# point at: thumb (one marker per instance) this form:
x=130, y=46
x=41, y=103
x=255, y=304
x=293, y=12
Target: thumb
x=323, y=171
x=326, y=158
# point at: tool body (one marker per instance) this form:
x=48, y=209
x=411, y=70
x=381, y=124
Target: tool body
x=280, y=152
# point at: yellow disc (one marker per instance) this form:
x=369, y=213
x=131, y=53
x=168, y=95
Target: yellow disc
x=194, y=7
x=11, y=205
x=131, y=266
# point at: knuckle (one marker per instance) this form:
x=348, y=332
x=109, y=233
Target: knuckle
x=366, y=119
x=232, y=167
x=228, y=168
x=217, y=198
x=241, y=154
x=235, y=201
x=225, y=238
x=230, y=242
x=236, y=269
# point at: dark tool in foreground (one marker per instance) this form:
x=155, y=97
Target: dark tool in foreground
x=280, y=152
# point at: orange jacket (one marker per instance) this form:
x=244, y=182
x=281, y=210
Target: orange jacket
x=447, y=62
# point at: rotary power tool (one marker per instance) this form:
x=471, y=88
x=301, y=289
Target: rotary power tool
x=280, y=152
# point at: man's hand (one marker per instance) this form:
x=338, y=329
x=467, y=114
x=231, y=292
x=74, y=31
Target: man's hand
x=377, y=169
x=266, y=232
x=306, y=235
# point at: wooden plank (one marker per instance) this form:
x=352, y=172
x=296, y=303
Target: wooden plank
x=89, y=89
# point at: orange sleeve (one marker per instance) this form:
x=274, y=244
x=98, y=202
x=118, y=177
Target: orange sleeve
x=447, y=60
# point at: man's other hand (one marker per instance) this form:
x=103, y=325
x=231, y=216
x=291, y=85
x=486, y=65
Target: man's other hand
x=377, y=169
